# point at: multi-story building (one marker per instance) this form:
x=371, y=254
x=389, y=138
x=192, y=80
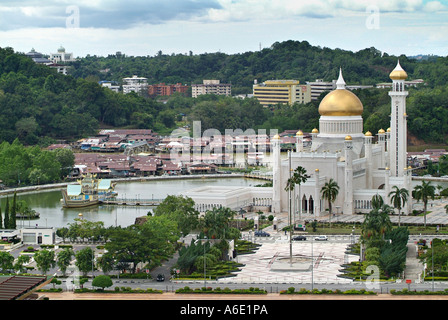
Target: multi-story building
x=319, y=86
x=135, y=84
x=281, y=91
x=163, y=89
x=211, y=87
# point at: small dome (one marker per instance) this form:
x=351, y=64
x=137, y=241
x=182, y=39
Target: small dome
x=348, y=138
x=398, y=73
x=388, y=130
x=368, y=134
x=299, y=133
x=276, y=137
x=381, y=131
x=315, y=130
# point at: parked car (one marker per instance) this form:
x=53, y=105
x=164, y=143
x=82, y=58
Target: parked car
x=262, y=234
x=299, y=238
x=321, y=238
x=160, y=277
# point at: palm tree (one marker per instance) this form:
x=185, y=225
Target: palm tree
x=376, y=223
x=377, y=201
x=299, y=176
x=424, y=192
x=399, y=197
x=330, y=191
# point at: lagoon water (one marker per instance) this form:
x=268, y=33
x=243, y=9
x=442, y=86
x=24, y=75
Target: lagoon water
x=52, y=214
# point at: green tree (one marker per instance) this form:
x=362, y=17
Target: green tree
x=399, y=197
x=181, y=210
x=330, y=191
x=6, y=261
x=377, y=201
x=85, y=260
x=216, y=222
x=19, y=265
x=44, y=260
x=375, y=225
x=102, y=281
x=106, y=262
x=6, y=219
x=64, y=259
x=424, y=192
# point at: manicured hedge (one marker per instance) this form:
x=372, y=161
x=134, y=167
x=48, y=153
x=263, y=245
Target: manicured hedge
x=218, y=290
x=292, y=290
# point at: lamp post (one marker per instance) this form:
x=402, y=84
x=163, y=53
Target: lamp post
x=205, y=265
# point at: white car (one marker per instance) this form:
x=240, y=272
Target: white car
x=321, y=238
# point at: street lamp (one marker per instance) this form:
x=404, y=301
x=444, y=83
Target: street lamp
x=205, y=265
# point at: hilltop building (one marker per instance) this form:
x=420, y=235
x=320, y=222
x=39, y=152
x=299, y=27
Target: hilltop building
x=211, y=87
x=39, y=58
x=61, y=56
x=163, y=89
x=135, y=84
x=272, y=92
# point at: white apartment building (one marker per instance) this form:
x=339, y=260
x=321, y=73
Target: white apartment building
x=319, y=86
x=135, y=84
x=211, y=87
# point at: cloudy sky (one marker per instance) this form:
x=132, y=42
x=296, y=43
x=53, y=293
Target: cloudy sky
x=143, y=27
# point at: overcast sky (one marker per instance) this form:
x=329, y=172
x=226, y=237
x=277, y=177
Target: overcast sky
x=143, y=27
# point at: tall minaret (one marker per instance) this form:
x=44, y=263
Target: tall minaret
x=398, y=131
x=348, y=190
x=276, y=174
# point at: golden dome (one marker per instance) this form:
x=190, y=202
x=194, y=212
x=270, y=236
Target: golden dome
x=368, y=134
x=348, y=138
x=398, y=73
x=315, y=130
x=388, y=130
x=277, y=137
x=381, y=131
x=341, y=102
x=299, y=133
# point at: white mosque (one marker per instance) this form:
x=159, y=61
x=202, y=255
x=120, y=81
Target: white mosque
x=341, y=151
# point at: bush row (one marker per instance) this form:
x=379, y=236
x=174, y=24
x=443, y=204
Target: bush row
x=218, y=290
x=425, y=292
x=292, y=290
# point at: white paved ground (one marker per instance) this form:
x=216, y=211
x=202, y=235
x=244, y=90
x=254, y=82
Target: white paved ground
x=271, y=263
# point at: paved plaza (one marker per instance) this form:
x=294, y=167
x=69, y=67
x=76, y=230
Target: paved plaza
x=271, y=263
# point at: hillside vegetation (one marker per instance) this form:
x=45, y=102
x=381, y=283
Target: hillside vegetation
x=39, y=105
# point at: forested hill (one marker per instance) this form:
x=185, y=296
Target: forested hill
x=283, y=60
x=38, y=105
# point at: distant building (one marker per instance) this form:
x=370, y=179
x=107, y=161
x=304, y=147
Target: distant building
x=135, y=84
x=39, y=58
x=163, y=89
x=319, y=86
x=112, y=85
x=211, y=87
x=281, y=91
x=61, y=56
